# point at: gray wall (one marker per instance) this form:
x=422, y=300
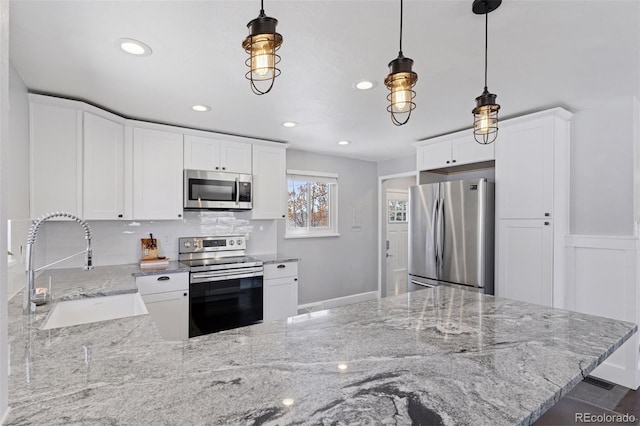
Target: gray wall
x=334, y=267
x=397, y=165
x=602, y=161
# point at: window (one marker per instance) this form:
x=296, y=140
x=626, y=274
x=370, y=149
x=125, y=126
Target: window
x=397, y=211
x=311, y=204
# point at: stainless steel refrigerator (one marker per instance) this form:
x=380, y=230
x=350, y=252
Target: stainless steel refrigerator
x=451, y=234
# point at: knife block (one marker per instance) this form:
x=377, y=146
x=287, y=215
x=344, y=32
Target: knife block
x=149, y=248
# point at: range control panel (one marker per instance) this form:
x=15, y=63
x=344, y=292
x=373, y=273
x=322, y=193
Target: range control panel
x=212, y=244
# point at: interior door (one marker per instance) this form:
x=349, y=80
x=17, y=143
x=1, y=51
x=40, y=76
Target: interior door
x=397, y=241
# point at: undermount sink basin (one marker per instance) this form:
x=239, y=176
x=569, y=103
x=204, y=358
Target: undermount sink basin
x=84, y=311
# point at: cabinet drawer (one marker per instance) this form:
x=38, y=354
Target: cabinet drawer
x=151, y=284
x=280, y=270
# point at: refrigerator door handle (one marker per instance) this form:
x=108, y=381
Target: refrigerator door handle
x=434, y=230
x=441, y=228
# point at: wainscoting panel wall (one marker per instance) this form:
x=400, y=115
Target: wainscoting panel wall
x=602, y=279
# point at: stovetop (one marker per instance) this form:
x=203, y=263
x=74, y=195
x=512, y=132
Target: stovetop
x=215, y=253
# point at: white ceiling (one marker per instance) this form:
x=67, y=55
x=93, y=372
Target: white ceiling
x=542, y=53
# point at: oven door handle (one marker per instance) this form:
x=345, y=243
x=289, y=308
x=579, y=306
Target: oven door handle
x=201, y=277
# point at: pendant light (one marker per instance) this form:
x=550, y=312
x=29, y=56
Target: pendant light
x=261, y=44
x=400, y=82
x=485, y=114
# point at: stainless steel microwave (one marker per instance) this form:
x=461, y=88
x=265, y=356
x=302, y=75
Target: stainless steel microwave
x=205, y=190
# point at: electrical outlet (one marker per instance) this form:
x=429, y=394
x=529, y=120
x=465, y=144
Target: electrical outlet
x=166, y=239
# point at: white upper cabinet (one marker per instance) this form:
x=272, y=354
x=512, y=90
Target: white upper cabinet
x=525, y=157
x=100, y=166
x=157, y=174
x=452, y=150
x=202, y=153
x=434, y=156
x=465, y=150
x=269, y=182
x=55, y=134
x=103, y=195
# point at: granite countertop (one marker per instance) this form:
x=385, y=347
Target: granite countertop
x=76, y=283
x=276, y=258
x=435, y=356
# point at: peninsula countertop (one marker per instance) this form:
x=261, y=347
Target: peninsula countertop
x=438, y=356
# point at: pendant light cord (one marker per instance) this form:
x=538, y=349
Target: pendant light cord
x=486, y=46
x=262, y=7
x=400, y=53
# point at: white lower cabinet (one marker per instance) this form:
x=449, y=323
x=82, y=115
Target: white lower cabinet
x=280, y=290
x=525, y=260
x=167, y=299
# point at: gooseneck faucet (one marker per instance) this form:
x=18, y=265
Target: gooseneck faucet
x=30, y=290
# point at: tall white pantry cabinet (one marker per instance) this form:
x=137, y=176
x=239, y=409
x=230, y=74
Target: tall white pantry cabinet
x=532, y=206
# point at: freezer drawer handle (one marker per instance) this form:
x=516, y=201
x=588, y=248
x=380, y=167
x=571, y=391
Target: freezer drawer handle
x=281, y=266
x=164, y=278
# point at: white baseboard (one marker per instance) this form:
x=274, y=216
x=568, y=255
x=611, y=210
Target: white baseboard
x=338, y=301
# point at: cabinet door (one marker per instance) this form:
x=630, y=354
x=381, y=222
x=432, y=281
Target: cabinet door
x=103, y=195
x=434, y=156
x=157, y=174
x=170, y=312
x=201, y=153
x=280, y=298
x=56, y=159
x=525, y=261
x=269, y=182
x=524, y=170
x=465, y=150
x=235, y=157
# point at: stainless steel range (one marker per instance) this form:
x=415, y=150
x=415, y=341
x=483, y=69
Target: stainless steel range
x=225, y=285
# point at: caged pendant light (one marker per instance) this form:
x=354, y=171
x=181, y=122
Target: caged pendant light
x=485, y=114
x=400, y=82
x=261, y=44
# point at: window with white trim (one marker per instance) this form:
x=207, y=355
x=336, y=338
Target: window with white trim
x=312, y=204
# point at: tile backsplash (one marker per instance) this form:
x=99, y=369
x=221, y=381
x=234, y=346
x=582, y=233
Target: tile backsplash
x=118, y=242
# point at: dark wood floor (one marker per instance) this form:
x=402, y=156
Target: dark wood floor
x=595, y=401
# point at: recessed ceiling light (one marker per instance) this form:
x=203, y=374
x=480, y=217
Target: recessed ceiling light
x=365, y=84
x=289, y=124
x=344, y=142
x=201, y=108
x=134, y=47
x=342, y=366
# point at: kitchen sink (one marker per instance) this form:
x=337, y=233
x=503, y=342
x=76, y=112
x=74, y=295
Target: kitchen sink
x=84, y=311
